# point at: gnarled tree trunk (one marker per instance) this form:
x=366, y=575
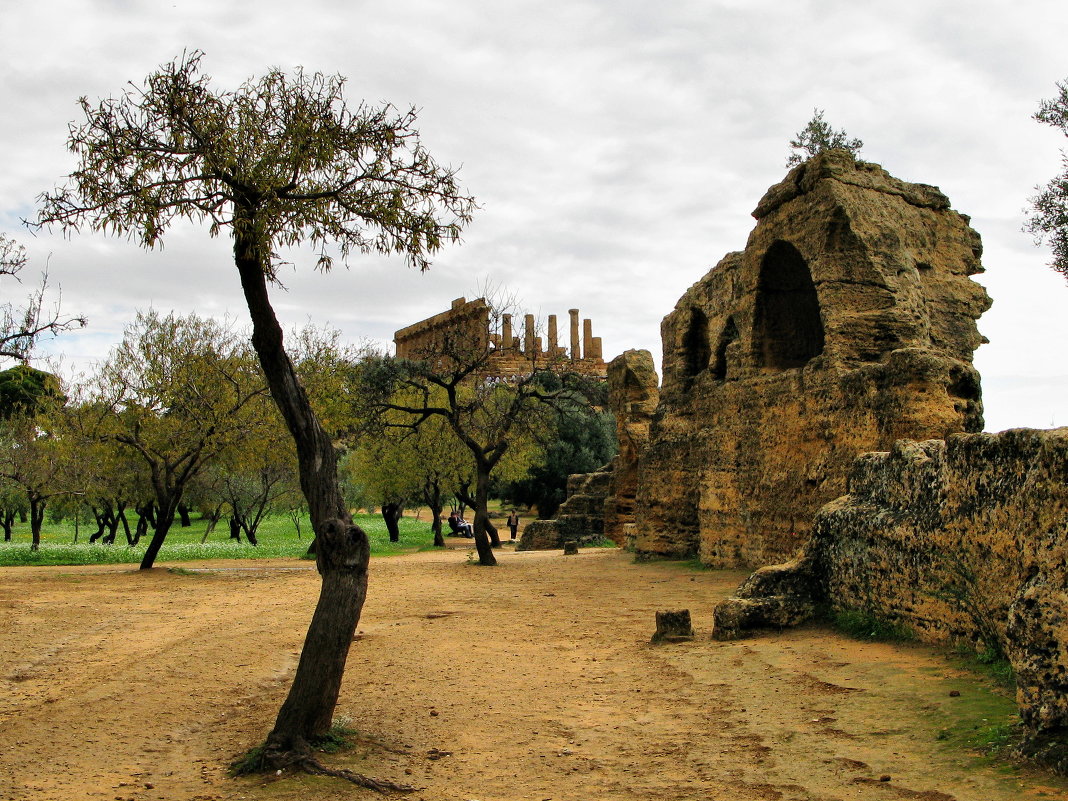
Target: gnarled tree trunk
x=391, y=514
x=342, y=551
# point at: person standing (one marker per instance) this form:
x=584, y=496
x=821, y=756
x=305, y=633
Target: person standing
x=513, y=523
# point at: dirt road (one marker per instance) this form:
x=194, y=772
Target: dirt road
x=532, y=680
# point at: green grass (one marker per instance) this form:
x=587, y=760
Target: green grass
x=340, y=737
x=600, y=542
x=866, y=626
x=982, y=720
x=277, y=538
x=989, y=662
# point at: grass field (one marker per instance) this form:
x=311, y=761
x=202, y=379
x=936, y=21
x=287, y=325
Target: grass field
x=277, y=537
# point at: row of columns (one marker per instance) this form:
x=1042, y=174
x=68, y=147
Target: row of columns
x=590, y=345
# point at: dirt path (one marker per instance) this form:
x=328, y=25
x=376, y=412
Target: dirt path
x=533, y=680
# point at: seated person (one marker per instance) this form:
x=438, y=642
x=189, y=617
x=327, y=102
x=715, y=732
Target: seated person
x=459, y=526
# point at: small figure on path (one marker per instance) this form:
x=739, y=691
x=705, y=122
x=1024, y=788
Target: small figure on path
x=513, y=523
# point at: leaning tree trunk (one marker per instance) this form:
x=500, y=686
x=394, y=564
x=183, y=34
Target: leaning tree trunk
x=391, y=513
x=37, y=510
x=99, y=518
x=432, y=498
x=482, y=543
x=125, y=523
x=342, y=551
x=168, y=504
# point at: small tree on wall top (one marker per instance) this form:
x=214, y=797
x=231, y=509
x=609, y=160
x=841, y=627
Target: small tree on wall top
x=279, y=161
x=1049, y=208
x=818, y=136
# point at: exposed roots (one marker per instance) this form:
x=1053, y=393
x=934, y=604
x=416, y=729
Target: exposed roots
x=267, y=758
x=311, y=765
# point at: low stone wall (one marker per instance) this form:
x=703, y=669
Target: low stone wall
x=959, y=539
x=580, y=518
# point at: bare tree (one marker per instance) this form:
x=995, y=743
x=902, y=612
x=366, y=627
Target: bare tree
x=22, y=326
x=279, y=161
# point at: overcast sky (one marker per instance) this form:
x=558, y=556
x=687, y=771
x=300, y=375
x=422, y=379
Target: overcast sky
x=616, y=147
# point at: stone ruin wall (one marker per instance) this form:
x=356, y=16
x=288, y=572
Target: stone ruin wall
x=840, y=336
x=959, y=539
x=472, y=323
x=633, y=395
x=848, y=322
x=580, y=518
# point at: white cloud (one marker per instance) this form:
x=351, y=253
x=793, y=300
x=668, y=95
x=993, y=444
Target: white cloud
x=617, y=147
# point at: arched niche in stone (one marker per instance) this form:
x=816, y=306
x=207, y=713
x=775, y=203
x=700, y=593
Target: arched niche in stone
x=697, y=351
x=728, y=335
x=787, y=328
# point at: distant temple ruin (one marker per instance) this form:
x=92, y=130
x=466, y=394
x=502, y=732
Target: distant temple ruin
x=474, y=324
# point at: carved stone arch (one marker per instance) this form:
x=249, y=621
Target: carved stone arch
x=728, y=335
x=787, y=327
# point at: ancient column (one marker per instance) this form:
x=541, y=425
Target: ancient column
x=575, y=353
x=587, y=337
x=597, y=352
x=528, y=336
x=552, y=336
x=506, y=331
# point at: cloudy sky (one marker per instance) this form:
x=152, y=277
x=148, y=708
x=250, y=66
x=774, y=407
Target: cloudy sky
x=616, y=148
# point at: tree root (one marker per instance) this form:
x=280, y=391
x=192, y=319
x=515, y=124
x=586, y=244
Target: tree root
x=312, y=765
x=301, y=758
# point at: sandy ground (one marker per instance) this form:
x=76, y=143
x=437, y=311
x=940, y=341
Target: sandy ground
x=531, y=680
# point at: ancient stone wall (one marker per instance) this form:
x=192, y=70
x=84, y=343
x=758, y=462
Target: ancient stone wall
x=580, y=518
x=633, y=394
x=846, y=323
x=472, y=326
x=962, y=539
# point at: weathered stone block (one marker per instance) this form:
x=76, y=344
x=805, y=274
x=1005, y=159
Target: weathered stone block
x=673, y=626
x=539, y=535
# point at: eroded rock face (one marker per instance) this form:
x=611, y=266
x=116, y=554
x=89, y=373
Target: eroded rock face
x=847, y=322
x=579, y=519
x=963, y=539
x=633, y=393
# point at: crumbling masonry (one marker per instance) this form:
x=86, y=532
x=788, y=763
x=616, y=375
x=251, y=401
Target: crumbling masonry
x=474, y=322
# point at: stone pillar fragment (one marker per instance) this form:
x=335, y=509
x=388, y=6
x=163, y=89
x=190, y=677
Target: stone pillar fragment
x=552, y=335
x=506, y=331
x=576, y=354
x=587, y=338
x=529, y=345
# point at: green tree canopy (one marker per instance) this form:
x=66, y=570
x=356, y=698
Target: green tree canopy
x=25, y=390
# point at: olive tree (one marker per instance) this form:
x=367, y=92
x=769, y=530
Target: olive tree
x=1049, y=208
x=279, y=161
x=455, y=379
